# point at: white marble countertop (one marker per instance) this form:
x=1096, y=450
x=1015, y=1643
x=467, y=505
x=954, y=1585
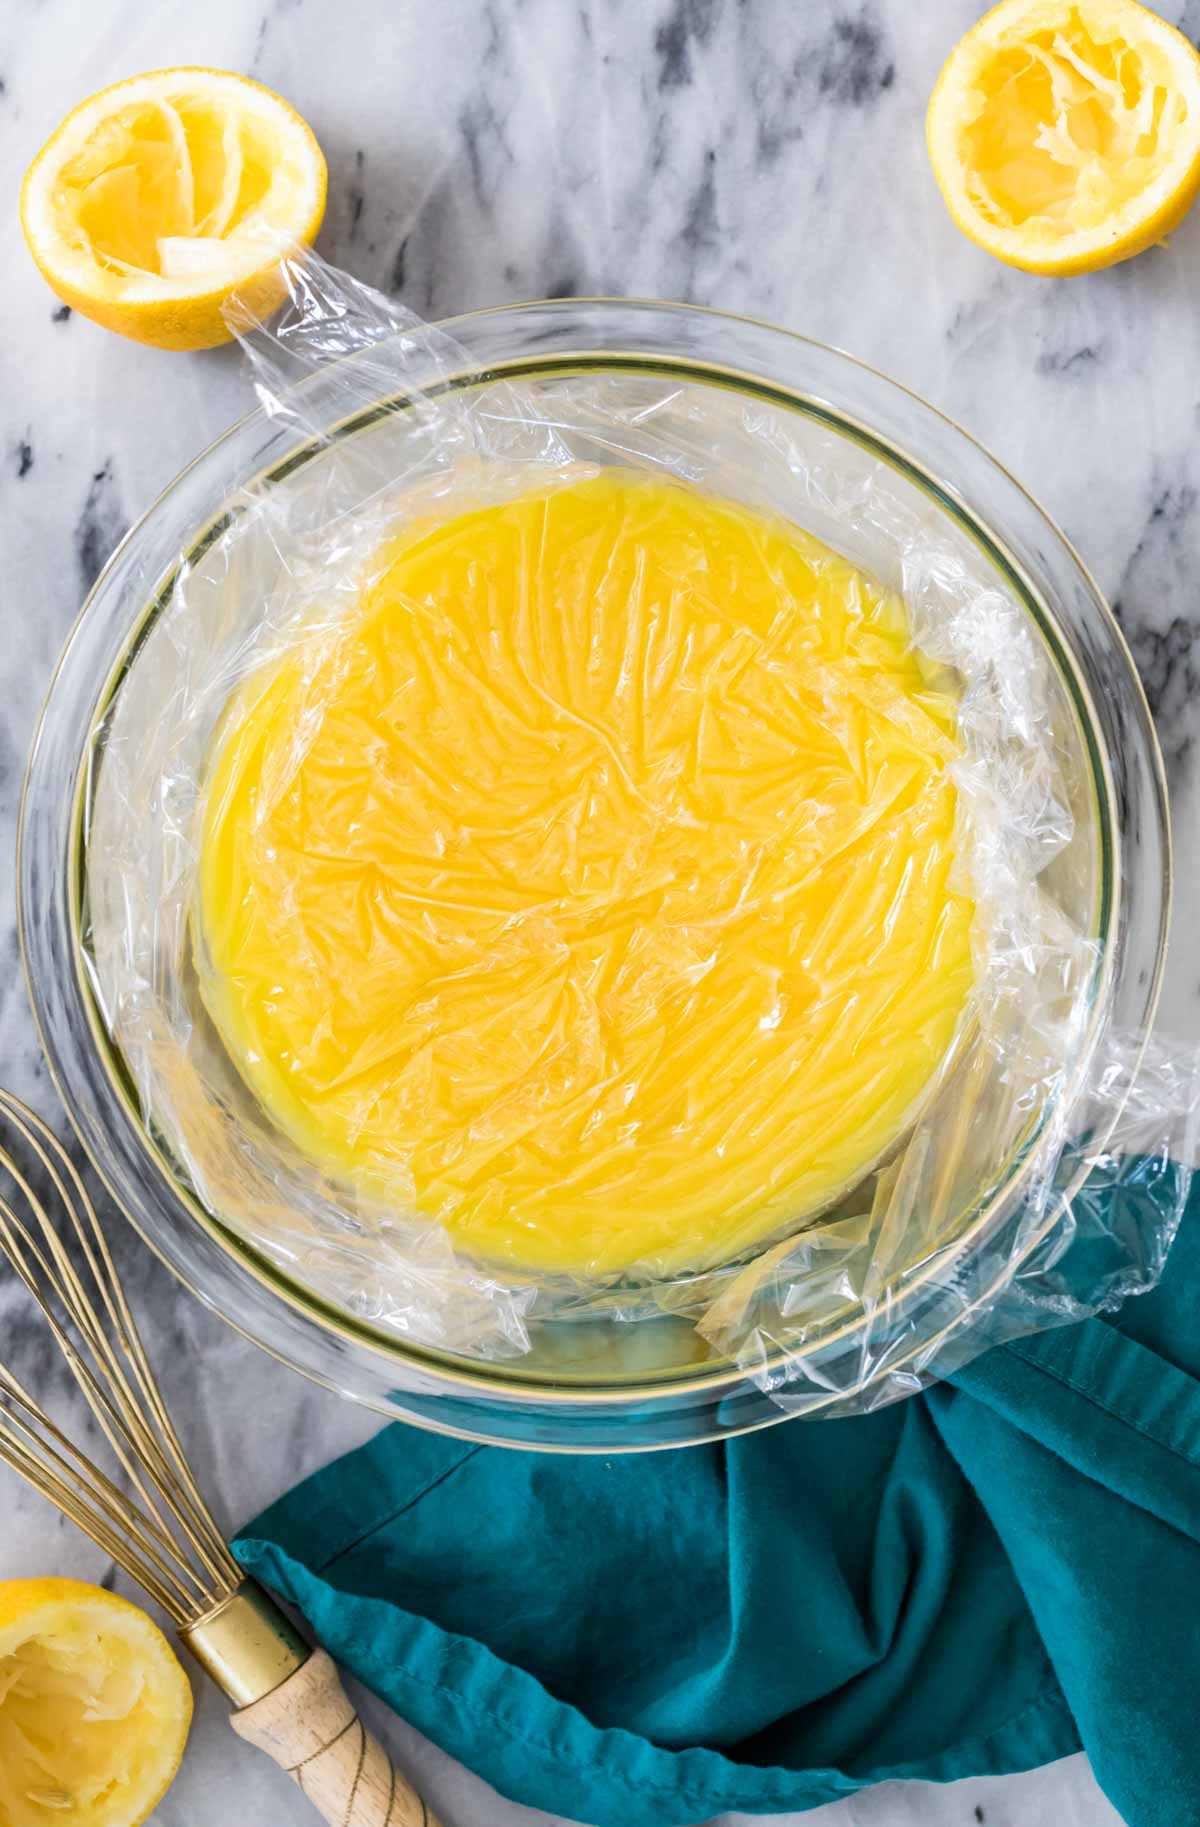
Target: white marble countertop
x=766, y=157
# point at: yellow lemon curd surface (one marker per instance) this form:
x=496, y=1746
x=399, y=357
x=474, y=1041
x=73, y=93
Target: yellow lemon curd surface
x=587, y=888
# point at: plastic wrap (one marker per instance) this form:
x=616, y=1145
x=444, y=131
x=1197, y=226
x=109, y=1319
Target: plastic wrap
x=841, y=1206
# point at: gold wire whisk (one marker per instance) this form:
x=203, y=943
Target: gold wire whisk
x=165, y=1537
x=160, y=1530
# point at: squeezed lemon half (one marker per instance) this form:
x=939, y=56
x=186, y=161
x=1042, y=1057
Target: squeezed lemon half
x=159, y=197
x=94, y=1707
x=1065, y=134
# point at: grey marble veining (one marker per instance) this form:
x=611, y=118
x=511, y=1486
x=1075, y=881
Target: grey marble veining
x=766, y=157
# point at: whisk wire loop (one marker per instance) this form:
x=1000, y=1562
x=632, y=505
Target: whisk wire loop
x=164, y=1535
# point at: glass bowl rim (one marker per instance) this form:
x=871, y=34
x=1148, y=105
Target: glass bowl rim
x=497, y=1377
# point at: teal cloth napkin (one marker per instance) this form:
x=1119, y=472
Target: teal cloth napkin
x=979, y=1579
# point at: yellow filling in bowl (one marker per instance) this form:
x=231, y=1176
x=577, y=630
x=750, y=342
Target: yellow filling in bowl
x=588, y=888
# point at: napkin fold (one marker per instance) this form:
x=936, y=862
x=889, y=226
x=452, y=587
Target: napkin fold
x=977, y=1580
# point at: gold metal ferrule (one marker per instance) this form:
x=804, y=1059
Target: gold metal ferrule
x=246, y=1644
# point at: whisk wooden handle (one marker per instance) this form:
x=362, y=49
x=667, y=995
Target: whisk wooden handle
x=309, y=1726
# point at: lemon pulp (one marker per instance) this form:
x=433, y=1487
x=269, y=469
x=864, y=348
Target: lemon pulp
x=1070, y=126
x=155, y=172
x=588, y=888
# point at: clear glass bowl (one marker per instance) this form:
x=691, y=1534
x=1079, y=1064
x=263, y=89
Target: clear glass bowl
x=595, y=1384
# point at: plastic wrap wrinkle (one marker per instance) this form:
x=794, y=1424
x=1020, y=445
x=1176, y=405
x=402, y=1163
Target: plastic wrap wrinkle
x=599, y=846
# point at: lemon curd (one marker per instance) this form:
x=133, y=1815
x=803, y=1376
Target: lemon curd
x=587, y=889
